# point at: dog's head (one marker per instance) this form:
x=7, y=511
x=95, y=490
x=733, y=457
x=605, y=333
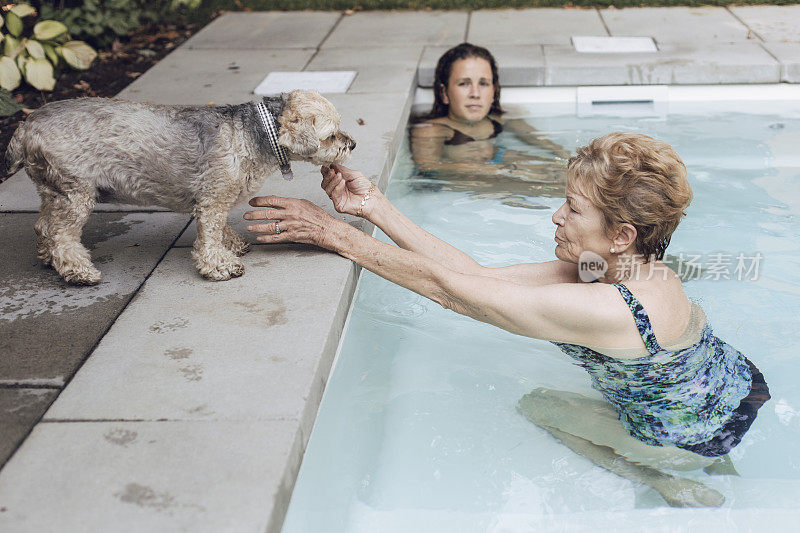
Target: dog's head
x=309, y=129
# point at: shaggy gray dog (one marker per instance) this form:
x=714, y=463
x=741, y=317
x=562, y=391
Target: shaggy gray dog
x=199, y=160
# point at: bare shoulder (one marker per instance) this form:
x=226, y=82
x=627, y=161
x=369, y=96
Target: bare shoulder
x=665, y=303
x=431, y=129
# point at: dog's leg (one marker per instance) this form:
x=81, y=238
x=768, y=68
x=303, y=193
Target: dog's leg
x=234, y=242
x=44, y=243
x=214, y=261
x=62, y=224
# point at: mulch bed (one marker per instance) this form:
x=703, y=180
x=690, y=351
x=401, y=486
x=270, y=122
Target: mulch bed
x=111, y=72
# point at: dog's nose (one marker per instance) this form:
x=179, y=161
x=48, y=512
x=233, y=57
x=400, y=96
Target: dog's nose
x=352, y=145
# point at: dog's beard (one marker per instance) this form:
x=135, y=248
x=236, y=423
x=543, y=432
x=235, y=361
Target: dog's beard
x=339, y=156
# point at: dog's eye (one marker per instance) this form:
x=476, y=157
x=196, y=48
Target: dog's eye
x=332, y=137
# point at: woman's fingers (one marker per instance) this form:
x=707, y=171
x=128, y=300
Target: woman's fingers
x=340, y=168
x=269, y=201
x=339, y=192
x=329, y=187
x=264, y=214
x=263, y=228
x=327, y=175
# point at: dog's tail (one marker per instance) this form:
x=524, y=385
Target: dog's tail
x=15, y=153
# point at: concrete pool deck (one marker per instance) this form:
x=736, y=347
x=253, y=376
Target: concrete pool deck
x=157, y=400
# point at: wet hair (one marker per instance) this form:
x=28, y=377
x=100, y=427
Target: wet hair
x=444, y=67
x=634, y=179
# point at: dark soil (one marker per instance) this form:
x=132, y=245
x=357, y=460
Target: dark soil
x=111, y=72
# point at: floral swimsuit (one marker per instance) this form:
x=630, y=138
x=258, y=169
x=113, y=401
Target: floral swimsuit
x=702, y=398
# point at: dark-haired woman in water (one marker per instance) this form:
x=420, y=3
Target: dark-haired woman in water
x=455, y=138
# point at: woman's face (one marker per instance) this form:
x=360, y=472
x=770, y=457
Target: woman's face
x=470, y=92
x=580, y=226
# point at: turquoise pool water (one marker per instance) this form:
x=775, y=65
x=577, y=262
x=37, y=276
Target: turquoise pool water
x=418, y=430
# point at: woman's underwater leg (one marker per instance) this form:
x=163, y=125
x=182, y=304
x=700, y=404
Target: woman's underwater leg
x=591, y=428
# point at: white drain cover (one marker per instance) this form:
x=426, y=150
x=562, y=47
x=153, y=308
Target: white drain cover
x=613, y=45
x=325, y=82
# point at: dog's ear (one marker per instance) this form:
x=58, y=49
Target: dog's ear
x=298, y=135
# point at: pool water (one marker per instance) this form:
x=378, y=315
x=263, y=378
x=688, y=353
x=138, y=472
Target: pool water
x=418, y=429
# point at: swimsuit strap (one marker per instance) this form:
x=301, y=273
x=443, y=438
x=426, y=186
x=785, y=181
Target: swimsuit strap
x=462, y=138
x=458, y=138
x=498, y=128
x=641, y=319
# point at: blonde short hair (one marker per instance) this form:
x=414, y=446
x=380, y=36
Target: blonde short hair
x=634, y=179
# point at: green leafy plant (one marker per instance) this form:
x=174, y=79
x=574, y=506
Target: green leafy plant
x=34, y=50
x=101, y=22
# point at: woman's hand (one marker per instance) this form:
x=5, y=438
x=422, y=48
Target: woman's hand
x=295, y=220
x=347, y=188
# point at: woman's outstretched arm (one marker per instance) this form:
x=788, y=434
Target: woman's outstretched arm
x=347, y=188
x=565, y=312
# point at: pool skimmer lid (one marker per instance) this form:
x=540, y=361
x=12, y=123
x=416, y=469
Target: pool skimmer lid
x=325, y=82
x=613, y=45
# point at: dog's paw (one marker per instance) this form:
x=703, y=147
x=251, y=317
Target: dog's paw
x=234, y=242
x=240, y=249
x=82, y=276
x=224, y=272
x=221, y=270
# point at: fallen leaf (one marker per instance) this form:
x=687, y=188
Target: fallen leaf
x=360, y=122
x=27, y=111
x=133, y=74
x=348, y=12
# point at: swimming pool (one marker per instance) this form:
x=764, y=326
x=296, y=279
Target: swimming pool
x=418, y=429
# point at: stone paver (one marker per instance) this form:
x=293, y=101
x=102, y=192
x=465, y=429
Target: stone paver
x=517, y=65
x=711, y=64
x=265, y=31
x=204, y=76
x=398, y=28
x=149, y=476
x=771, y=23
x=789, y=56
x=183, y=340
x=20, y=409
x=676, y=25
x=532, y=26
x=47, y=327
x=380, y=69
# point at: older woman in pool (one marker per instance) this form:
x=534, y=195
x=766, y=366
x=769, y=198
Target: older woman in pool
x=455, y=138
x=676, y=396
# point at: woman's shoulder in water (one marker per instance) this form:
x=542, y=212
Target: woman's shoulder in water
x=435, y=127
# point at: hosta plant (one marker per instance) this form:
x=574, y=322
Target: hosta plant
x=34, y=51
